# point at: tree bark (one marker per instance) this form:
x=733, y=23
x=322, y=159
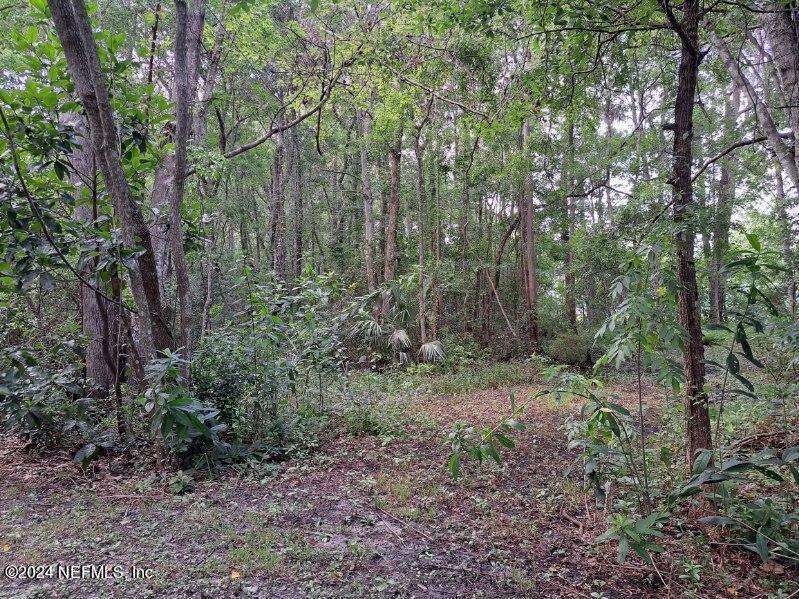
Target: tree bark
x=567, y=231
x=299, y=208
x=421, y=199
x=279, y=211
x=780, y=28
x=724, y=206
x=762, y=112
x=696, y=404
x=188, y=34
x=529, y=256
x=783, y=215
x=75, y=32
x=98, y=318
x=390, y=255
x=368, y=204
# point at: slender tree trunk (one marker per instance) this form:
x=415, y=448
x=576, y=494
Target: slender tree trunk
x=188, y=35
x=421, y=200
x=763, y=113
x=368, y=213
x=279, y=212
x=99, y=322
x=696, y=404
x=390, y=256
x=724, y=206
x=780, y=26
x=299, y=207
x=75, y=32
x=529, y=256
x=567, y=231
x=787, y=238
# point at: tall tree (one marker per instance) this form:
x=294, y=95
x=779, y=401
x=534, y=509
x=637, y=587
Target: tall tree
x=696, y=401
x=75, y=32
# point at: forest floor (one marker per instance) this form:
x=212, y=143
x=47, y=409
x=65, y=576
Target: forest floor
x=361, y=517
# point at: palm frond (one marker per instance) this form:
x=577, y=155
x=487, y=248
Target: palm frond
x=399, y=340
x=432, y=351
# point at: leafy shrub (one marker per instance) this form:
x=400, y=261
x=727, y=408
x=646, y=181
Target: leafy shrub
x=176, y=418
x=574, y=347
x=297, y=432
x=378, y=418
x=38, y=400
x=221, y=374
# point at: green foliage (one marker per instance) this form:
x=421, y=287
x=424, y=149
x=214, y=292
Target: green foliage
x=222, y=374
x=573, y=347
x=639, y=329
x=635, y=534
x=42, y=401
x=482, y=444
x=177, y=419
x=377, y=417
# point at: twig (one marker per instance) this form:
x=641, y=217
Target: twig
x=405, y=524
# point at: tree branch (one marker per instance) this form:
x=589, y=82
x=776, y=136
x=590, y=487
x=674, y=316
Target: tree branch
x=732, y=148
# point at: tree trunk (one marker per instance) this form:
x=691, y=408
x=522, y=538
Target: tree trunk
x=724, y=206
x=529, y=256
x=188, y=36
x=299, y=208
x=99, y=319
x=781, y=30
x=763, y=113
x=421, y=199
x=75, y=32
x=567, y=231
x=278, y=212
x=783, y=206
x=390, y=256
x=368, y=212
x=696, y=405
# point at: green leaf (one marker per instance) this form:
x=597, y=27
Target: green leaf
x=455, y=465
x=504, y=441
x=761, y=545
x=701, y=461
x=791, y=454
x=492, y=452
x=754, y=241
x=744, y=381
x=718, y=521
x=733, y=364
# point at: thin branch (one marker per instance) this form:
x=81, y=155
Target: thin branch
x=732, y=148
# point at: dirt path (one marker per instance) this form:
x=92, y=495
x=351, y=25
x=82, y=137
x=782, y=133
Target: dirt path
x=358, y=519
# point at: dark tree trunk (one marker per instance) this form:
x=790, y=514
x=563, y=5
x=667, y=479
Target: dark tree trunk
x=724, y=205
x=188, y=34
x=696, y=404
x=278, y=212
x=567, y=232
x=390, y=256
x=299, y=208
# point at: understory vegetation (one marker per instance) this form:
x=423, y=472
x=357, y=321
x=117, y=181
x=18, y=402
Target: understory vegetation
x=479, y=298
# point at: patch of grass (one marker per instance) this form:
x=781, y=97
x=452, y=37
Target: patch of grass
x=259, y=553
x=522, y=580
x=358, y=549
x=379, y=417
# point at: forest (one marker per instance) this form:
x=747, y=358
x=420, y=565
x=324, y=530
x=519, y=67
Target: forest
x=402, y=298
